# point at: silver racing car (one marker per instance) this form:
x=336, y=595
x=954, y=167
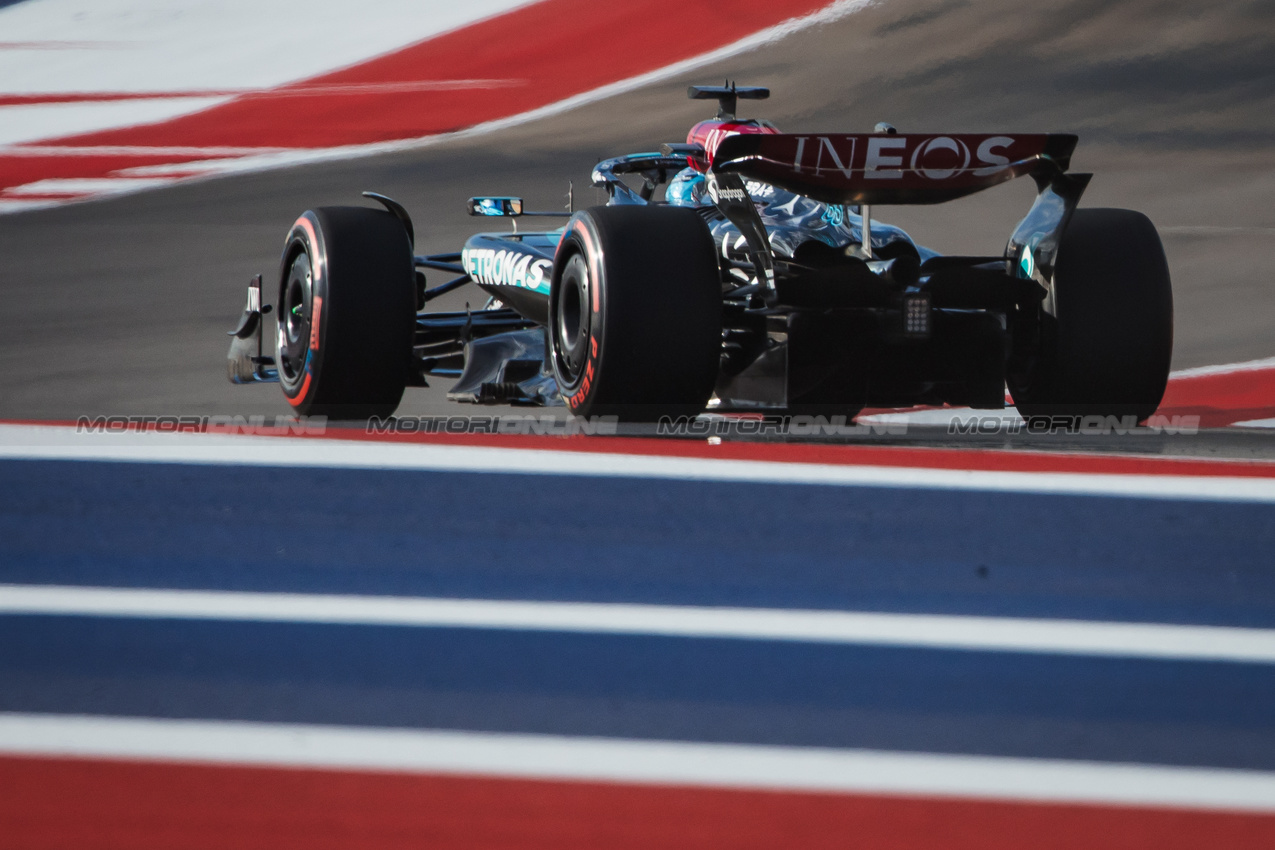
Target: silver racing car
x=740, y=270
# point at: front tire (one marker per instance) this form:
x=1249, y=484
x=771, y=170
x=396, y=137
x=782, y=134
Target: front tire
x=1106, y=330
x=346, y=313
x=635, y=313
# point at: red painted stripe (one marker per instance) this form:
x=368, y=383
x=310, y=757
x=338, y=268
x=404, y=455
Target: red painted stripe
x=531, y=57
x=102, y=805
x=559, y=48
x=49, y=196
x=292, y=91
x=103, y=97
x=1222, y=399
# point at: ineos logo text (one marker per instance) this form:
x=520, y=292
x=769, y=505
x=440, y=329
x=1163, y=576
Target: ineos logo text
x=936, y=158
x=940, y=143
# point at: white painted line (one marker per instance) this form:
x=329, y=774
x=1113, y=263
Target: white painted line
x=214, y=44
x=52, y=150
x=986, y=634
x=1011, y=421
x=7, y=206
x=28, y=442
x=1226, y=369
x=1217, y=230
x=31, y=123
x=86, y=186
x=945, y=416
x=175, y=170
x=808, y=769
x=1255, y=423
x=289, y=91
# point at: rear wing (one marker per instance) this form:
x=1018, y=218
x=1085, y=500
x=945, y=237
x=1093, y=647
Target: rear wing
x=890, y=168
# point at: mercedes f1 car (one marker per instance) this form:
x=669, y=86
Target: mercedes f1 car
x=740, y=270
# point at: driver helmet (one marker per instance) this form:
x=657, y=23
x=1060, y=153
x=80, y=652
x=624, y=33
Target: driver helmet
x=687, y=189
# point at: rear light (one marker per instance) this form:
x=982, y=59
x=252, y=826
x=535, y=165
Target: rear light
x=917, y=315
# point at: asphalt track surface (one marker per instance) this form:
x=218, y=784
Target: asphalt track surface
x=121, y=306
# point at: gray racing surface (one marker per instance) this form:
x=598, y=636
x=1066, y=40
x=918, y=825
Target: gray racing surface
x=121, y=306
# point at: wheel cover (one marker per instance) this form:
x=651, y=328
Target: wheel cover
x=295, y=306
x=572, y=320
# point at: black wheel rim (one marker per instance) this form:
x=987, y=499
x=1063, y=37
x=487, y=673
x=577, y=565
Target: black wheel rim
x=294, y=319
x=572, y=319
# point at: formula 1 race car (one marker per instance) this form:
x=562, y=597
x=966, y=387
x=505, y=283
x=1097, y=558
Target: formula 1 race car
x=757, y=282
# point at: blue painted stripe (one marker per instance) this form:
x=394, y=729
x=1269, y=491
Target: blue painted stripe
x=636, y=540
x=645, y=687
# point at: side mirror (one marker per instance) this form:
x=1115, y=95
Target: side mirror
x=509, y=207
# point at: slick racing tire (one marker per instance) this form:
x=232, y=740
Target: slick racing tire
x=635, y=313
x=346, y=313
x=1106, y=330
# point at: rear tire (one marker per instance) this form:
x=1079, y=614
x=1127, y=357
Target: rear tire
x=346, y=313
x=1106, y=330
x=635, y=313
